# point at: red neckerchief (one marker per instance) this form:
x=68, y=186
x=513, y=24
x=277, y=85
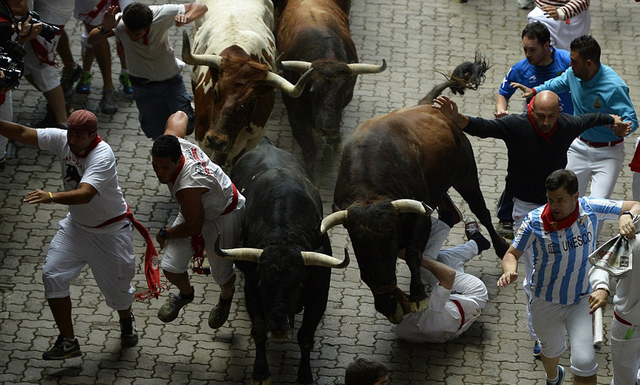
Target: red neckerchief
x=180, y=165
x=145, y=38
x=551, y=225
x=94, y=144
x=546, y=137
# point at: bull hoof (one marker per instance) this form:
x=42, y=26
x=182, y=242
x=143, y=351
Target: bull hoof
x=261, y=382
x=419, y=306
x=396, y=317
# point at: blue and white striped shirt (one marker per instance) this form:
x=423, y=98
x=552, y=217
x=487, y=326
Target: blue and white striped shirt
x=560, y=258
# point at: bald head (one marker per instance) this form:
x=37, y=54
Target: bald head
x=546, y=99
x=545, y=110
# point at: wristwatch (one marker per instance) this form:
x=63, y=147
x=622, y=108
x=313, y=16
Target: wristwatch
x=102, y=30
x=163, y=232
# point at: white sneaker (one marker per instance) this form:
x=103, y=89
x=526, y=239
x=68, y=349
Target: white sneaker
x=525, y=4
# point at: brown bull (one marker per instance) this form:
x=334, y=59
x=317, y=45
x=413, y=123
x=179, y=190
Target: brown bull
x=315, y=34
x=413, y=153
x=234, y=56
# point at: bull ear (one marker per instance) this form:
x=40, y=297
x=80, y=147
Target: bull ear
x=238, y=254
x=332, y=220
x=212, y=61
x=312, y=258
x=360, y=69
x=295, y=65
x=277, y=81
x=412, y=206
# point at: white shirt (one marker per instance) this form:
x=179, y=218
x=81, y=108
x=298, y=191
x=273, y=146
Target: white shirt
x=442, y=319
x=199, y=171
x=98, y=169
x=626, y=302
x=560, y=258
x=155, y=60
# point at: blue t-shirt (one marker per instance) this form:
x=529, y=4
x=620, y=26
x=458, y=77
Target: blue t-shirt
x=530, y=76
x=605, y=92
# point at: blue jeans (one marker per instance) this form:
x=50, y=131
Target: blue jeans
x=156, y=101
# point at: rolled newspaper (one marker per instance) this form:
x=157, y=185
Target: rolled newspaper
x=598, y=329
x=615, y=256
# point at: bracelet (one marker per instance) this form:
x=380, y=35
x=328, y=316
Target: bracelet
x=50, y=197
x=102, y=30
x=605, y=289
x=163, y=232
x=629, y=212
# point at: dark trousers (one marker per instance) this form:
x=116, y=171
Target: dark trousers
x=505, y=207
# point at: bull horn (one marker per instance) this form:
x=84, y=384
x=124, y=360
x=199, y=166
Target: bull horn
x=411, y=206
x=295, y=65
x=238, y=254
x=312, y=258
x=213, y=61
x=333, y=220
x=360, y=69
x=277, y=81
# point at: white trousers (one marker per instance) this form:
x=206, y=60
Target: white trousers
x=553, y=322
x=110, y=256
x=178, y=251
x=625, y=353
x=601, y=165
x=454, y=257
x=563, y=33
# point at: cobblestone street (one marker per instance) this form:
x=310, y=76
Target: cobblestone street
x=418, y=39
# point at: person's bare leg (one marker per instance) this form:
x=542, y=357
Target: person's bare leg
x=57, y=104
x=64, y=51
x=550, y=365
x=61, y=310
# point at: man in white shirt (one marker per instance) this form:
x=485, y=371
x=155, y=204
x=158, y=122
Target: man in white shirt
x=457, y=298
x=154, y=71
x=96, y=232
x=625, y=325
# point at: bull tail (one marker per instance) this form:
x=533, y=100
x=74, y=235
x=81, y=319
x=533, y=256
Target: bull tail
x=466, y=76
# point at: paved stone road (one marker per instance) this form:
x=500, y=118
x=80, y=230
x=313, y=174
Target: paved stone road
x=416, y=38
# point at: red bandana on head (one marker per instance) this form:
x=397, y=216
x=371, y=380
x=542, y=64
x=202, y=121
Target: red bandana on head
x=547, y=136
x=552, y=225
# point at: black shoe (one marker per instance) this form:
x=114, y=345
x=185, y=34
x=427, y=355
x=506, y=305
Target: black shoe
x=448, y=212
x=49, y=119
x=63, y=348
x=128, y=332
x=68, y=79
x=505, y=229
x=220, y=313
x=472, y=231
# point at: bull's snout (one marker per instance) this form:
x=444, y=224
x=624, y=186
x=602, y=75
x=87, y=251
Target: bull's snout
x=331, y=135
x=280, y=324
x=217, y=142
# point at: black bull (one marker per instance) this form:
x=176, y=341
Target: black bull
x=282, y=278
x=412, y=153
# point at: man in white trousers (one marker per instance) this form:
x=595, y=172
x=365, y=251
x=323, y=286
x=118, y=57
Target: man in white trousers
x=625, y=326
x=457, y=298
